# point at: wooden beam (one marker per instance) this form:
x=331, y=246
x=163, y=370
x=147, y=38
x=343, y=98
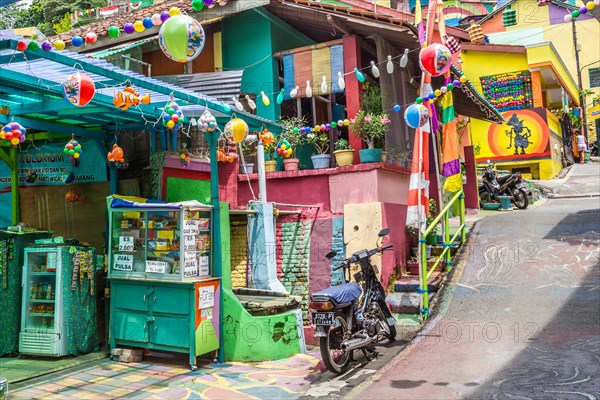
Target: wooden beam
x=54, y=127
x=38, y=107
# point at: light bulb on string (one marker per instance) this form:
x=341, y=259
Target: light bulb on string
x=324, y=85
x=237, y=103
x=294, y=92
x=251, y=102
x=308, y=89
x=404, y=59
x=280, y=96
x=341, y=81
x=374, y=69
x=225, y=106
x=359, y=75
x=265, y=99
x=193, y=122
x=390, y=65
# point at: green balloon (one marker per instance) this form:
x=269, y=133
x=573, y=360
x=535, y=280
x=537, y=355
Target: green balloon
x=333, y=124
x=66, y=151
x=197, y=5
x=170, y=111
x=71, y=152
x=114, y=31
x=33, y=45
x=77, y=148
x=174, y=32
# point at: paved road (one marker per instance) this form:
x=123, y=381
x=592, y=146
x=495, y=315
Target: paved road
x=523, y=321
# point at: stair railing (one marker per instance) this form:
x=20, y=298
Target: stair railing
x=448, y=244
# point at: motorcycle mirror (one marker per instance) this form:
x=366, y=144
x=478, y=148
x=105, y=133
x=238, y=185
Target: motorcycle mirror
x=489, y=161
x=384, y=232
x=331, y=254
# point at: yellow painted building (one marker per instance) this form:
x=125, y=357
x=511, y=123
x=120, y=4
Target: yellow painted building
x=524, y=83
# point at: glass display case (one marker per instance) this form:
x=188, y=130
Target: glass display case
x=161, y=243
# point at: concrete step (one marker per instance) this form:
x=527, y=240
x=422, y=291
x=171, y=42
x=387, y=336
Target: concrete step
x=405, y=302
x=410, y=283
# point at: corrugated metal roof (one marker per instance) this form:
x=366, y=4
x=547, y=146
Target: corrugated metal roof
x=123, y=48
x=219, y=85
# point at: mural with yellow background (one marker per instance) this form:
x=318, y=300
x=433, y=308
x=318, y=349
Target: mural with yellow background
x=523, y=136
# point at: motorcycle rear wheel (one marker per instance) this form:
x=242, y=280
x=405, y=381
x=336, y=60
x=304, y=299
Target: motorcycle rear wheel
x=520, y=199
x=335, y=359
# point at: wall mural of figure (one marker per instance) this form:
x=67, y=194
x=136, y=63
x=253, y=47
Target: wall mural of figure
x=518, y=133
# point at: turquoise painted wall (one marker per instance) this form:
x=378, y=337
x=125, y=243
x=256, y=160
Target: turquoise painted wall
x=249, y=39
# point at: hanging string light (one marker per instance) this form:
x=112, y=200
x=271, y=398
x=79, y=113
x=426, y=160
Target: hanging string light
x=341, y=81
x=280, y=96
x=251, y=102
x=390, y=65
x=294, y=92
x=265, y=99
x=308, y=89
x=374, y=69
x=404, y=59
x=359, y=75
x=324, y=84
x=237, y=103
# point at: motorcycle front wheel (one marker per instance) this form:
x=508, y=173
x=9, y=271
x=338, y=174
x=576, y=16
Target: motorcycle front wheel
x=336, y=360
x=520, y=199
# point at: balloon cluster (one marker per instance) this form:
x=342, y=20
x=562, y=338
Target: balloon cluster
x=223, y=156
x=207, y=122
x=32, y=176
x=73, y=149
x=589, y=6
x=172, y=117
x=184, y=157
x=284, y=149
x=14, y=133
x=509, y=91
x=266, y=137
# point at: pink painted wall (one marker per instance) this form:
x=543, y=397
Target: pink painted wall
x=352, y=188
x=319, y=276
x=392, y=187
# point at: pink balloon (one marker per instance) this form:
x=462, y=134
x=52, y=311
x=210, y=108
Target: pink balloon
x=156, y=20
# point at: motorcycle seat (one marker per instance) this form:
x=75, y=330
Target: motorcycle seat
x=503, y=178
x=345, y=293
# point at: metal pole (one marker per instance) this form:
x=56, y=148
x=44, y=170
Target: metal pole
x=262, y=180
x=581, y=96
x=14, y=185
x=211, y=138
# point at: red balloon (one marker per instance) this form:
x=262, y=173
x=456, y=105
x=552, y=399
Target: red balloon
x=22, y=45
x=16, y=133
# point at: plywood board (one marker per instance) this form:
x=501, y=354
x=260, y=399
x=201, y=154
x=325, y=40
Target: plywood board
x=45, y=207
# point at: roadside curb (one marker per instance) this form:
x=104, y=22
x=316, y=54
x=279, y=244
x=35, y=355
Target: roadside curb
x=572, y=196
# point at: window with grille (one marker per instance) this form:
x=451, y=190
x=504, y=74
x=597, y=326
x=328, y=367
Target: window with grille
x=594, y=77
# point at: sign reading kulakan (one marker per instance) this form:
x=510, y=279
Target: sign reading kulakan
x=50, y=164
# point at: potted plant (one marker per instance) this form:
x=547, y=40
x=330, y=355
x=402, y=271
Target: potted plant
x=248, y=152
x=344, y=154
x=412, y=265
x=371, y=128
x=270, y=162
x=432, y=237
x=293, y=138
x=320, y=141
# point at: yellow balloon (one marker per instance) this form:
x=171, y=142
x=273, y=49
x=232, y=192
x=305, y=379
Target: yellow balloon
x=174, y=11
x=463, y=79
x=139, y=26
x=239, y=129
x=182, y=156
x=59, y=45
x=2, y=135
x=437, y=93
x=76, y=155
x=346, y=122
x=170, y=124
x=283, y=147
x=14, y=141
x=590, y=6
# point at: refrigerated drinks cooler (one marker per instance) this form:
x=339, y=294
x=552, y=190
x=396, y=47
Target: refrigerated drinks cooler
x=59, y=308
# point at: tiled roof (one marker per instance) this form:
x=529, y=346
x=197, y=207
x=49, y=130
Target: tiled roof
x=100, y=28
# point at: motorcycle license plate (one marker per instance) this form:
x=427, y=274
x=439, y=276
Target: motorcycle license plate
x=323, y=318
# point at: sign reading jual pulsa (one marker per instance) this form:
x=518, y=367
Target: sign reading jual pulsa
x=48, y=165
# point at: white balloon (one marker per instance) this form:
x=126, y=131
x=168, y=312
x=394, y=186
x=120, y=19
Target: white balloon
x=568, y=18
x=156, y=21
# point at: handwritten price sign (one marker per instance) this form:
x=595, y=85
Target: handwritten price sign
x=126, y=243
x=123, y=262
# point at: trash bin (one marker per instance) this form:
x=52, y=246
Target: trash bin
x=586, y=156
x=505, y=203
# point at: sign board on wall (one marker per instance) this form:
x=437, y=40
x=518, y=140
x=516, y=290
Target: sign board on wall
x=51, y=164
x=524, y=135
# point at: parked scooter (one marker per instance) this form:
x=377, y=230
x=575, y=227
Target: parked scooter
x=346, y=321
x=508, y=185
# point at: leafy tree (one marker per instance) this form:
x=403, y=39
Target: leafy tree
x=63, y=25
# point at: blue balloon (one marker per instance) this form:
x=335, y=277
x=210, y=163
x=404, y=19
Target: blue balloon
x=6, y=128
x=167, y=117
x=397, y=108
x=147, y=22
x=431, y=96
x=416, y=115
x=76, y=41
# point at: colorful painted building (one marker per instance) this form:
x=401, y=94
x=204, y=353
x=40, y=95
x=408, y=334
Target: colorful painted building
x=528, y=83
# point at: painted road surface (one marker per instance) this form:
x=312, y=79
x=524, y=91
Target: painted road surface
x=523, y=321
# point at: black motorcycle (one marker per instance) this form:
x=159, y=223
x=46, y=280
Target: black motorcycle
x=345, y=320
x=508, y=185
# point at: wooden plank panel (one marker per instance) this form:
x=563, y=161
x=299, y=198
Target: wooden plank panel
x=45, y=207
x=303, y=71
